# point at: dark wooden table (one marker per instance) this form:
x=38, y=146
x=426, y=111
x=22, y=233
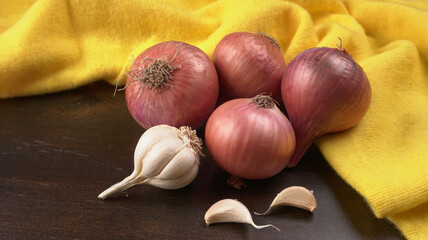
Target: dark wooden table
x=59, y=151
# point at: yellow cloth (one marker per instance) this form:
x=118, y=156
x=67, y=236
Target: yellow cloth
x=51, y=45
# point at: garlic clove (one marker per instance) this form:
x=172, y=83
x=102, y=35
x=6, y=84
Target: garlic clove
x=152, y=137
x=295, y=196
x=230, y=210
x=175, y=183
x=160, y=155
x=181, y=163
x=146, y=142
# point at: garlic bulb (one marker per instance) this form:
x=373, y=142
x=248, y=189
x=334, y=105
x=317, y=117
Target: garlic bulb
x=165, y=157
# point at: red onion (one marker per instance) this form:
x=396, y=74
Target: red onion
x=250, y=137
x=249, y=64
x=172, y=83
x=324, y=90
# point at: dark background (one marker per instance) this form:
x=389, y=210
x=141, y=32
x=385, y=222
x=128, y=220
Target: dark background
x=59, y=151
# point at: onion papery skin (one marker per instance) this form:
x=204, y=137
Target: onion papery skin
x=324, y=90
x=188, y=97
x=248, y=64
x=249, y=141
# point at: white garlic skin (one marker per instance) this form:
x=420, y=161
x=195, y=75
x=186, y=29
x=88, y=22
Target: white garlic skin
x=175, y=183
x=228, y=210
x=232, y=211
x=165, y=157
x=294, y=196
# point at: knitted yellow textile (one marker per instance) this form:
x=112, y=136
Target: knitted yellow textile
x=50, y=45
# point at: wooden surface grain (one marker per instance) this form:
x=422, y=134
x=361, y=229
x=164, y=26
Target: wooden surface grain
x=59, y=151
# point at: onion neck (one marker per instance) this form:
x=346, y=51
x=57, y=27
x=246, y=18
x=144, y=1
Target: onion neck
x=154, y=73
x=304, y=139
x=271, y=39
x=341, y=48
x=298, y=153
x=263, y=101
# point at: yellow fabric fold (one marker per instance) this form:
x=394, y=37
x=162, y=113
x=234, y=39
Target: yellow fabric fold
x=48, y=46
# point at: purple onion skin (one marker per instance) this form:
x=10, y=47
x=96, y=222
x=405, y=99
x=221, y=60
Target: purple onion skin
x=249, y=141
x=188, y=99
x=248, y=64
x=324, y=90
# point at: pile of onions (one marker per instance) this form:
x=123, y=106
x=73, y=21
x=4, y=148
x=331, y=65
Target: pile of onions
x=249, y=64
x=324, y=90
x=172, y=83
x=250, y=137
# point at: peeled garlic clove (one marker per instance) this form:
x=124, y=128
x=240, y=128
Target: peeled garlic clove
x=230, y=210
x=294, y=196
x=164, y=157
